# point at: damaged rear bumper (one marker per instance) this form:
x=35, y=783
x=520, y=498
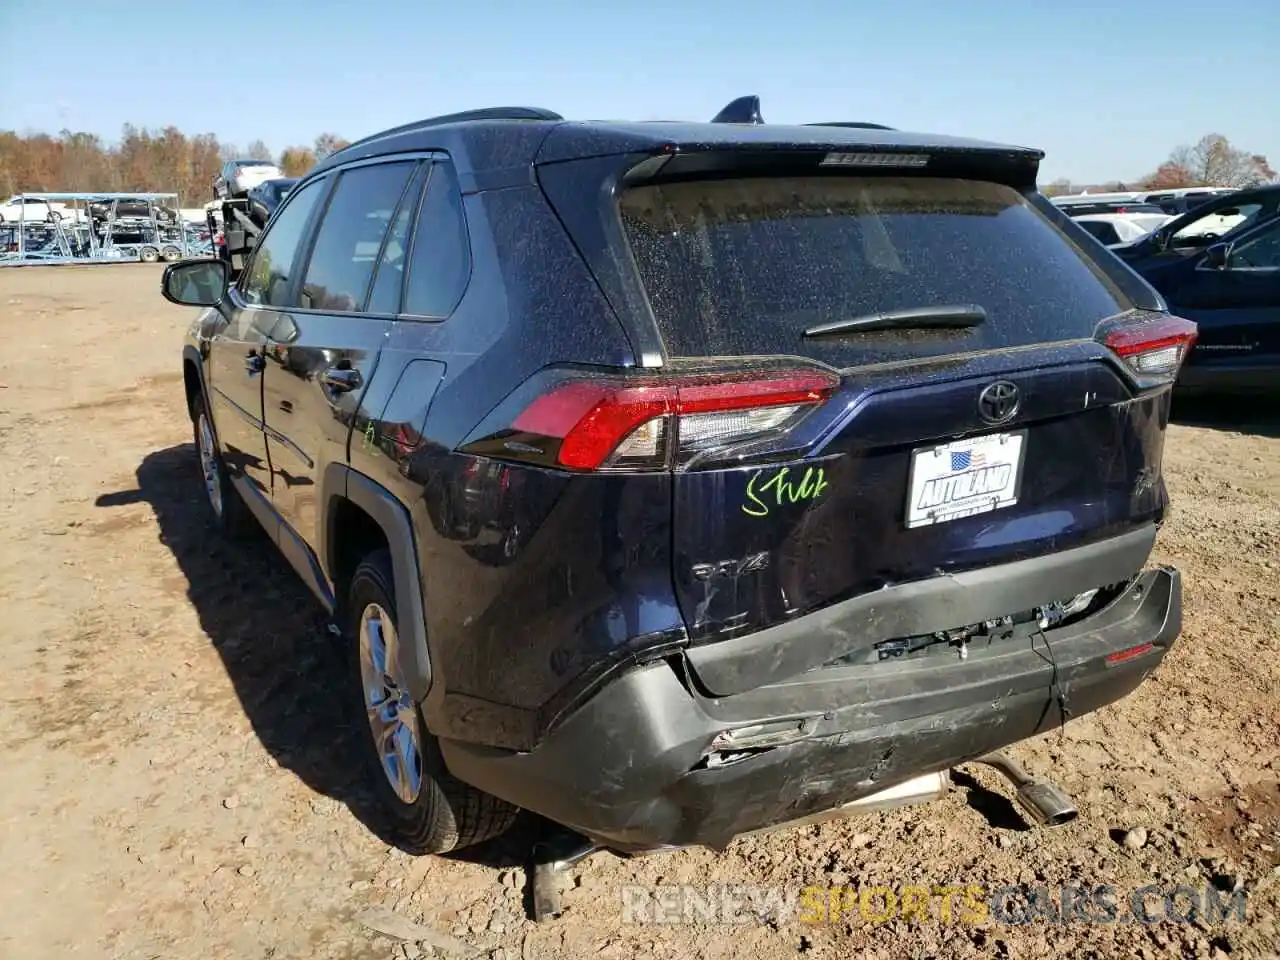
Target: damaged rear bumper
x=651, y=762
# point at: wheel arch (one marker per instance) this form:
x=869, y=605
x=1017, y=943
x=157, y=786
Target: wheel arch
x=192, y=377
x=356, y=510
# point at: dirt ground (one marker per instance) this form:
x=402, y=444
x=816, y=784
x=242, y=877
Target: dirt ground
x=177, y=779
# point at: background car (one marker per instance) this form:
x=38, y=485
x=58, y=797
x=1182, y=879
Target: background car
x=266, y=196
x=1074, y=207
x=1185, y=199
x=1192, y=233
x=238, y=177
x=131, y=209
x=1232, y=291
x=1114, y=228
x=31, y=210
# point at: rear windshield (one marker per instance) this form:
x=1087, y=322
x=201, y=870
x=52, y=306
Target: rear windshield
x=743, y=267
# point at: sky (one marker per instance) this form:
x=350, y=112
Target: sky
x=1107, y=90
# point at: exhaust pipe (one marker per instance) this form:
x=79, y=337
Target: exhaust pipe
x=1043, y=802
x=922, y=789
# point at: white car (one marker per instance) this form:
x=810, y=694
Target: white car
x=1114, y=228
x=238, y=177
x=31, y=210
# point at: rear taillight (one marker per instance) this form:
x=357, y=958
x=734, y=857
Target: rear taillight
x=1152, y=349
x=596, y=423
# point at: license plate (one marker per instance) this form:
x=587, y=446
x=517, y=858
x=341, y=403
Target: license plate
x=964, y=478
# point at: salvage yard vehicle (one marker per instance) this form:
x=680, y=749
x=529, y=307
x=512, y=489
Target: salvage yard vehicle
x=238, y=177
x=681, y=480
x=31, y=210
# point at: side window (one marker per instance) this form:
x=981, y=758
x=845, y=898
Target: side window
x=1260, y=253
x=1201, y=231
x=350, y=236
x=266, y=281
x=440, y=263
x=388, y=281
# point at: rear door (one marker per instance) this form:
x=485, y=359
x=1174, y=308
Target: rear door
x=996, y=431
x=1238, y=310
x=321, y=353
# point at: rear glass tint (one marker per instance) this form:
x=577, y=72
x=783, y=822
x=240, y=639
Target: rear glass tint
x=743, y=267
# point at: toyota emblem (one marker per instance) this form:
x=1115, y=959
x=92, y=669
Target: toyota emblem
x=999, y=402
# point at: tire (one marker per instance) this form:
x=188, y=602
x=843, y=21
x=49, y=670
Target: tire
x=427, y=809
x=170, y=254
x=149, y=255
x=229, y=513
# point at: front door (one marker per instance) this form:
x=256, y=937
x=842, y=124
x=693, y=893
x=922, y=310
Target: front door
x=321, y=354
x=233, y=375
x=236, y=360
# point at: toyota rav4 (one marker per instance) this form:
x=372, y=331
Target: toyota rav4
x=680, y=480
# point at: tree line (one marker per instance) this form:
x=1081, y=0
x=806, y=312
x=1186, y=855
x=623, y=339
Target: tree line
x=1212, y=161
x=146, y=161
x=168, y=161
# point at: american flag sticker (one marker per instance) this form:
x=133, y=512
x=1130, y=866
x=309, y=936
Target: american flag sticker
x=967, y=460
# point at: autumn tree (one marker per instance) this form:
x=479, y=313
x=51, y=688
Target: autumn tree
x=1168, y=176
x=1213, y=161
x=1059, y=188
x=295, y=161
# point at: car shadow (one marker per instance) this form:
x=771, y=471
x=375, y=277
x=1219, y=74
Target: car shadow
x=288, y=671
x=997, y=809
x=1252, y=415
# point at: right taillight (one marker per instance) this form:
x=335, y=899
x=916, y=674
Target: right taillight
x=1152, y=349
x=593, y=423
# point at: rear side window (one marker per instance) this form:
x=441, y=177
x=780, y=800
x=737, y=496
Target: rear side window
x=441, y=257
x=350, y=237
x=743, y=267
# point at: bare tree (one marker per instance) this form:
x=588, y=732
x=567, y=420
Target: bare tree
x=328, y=143
x=259, y=151
x=1060, y=187
x=1213, y=161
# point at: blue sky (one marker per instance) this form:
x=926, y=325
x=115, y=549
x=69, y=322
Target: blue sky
x=1106, y=89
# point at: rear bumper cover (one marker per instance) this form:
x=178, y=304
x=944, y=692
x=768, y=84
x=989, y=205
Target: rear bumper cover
x=629, y=767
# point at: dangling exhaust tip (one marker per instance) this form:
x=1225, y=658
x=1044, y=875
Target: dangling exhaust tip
x=1044, y=803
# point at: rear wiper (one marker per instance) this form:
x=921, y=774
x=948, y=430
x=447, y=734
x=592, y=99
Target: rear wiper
x=954, y=317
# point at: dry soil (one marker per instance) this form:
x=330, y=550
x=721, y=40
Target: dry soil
x=178, y=780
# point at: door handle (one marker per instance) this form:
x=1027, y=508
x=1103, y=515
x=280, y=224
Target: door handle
x=254, y=363
x=339, y=380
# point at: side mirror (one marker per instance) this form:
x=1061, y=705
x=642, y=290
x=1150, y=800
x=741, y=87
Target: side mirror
x=196, y=283
x=1218, y=255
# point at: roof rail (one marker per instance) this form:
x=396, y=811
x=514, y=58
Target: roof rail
x=743, y=110
x=861, y=124
x=484, y=113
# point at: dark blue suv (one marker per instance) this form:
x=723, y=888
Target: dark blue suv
x=679, y=480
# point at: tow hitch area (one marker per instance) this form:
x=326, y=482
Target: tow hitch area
x=1045, y=804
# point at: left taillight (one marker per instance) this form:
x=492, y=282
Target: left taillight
x=593, y=423
x=1153, y=350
